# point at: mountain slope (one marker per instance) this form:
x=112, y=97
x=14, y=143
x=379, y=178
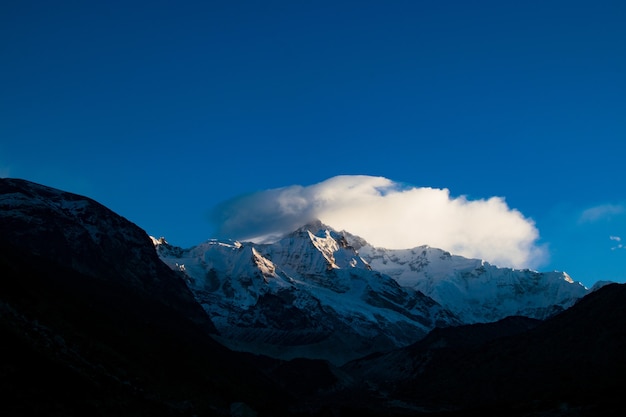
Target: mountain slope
x=474, y=290
x=317, y=291
x=306, y=295
x=81, y=234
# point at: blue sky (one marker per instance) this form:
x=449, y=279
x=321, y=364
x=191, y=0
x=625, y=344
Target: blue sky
x=163, y=110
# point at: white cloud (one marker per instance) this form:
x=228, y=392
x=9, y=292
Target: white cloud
x=388, y=214
x=619, y=245
x=601, y=212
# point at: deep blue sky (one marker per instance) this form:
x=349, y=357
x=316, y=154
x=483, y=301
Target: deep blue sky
x=161, y=110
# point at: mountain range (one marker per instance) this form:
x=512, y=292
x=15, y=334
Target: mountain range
x=98, y=318
x=324, y=294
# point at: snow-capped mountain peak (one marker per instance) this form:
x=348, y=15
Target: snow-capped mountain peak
x=313, y=284
x=322, y=247
x=306, y=290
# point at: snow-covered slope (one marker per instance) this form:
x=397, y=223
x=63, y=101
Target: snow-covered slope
x=310, y=292
x=320, y=291
x=474, y=290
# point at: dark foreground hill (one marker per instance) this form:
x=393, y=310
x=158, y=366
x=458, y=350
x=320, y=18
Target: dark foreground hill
x=93, y=323
x=573, y=364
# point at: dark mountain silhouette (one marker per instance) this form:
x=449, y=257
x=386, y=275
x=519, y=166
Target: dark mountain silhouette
x=93, y=323
x=572, y=364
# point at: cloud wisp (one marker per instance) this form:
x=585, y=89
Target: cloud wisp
x=618, y=241
x=388, y=214
x=601, y=212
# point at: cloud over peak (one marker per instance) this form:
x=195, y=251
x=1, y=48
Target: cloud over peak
x=388, y=214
